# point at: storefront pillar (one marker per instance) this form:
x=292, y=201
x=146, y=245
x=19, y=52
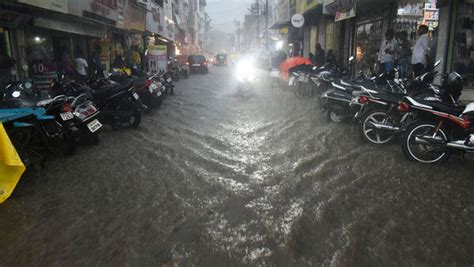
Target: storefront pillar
x=443, y=38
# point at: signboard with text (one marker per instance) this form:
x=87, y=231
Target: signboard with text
x=157, y=58
x=43, y=74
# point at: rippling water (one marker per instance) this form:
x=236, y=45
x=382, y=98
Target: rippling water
x=214, y=178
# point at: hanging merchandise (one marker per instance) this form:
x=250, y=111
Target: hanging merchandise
x=11, y=166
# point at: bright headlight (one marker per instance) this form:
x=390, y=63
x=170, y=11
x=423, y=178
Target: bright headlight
x=246, y=70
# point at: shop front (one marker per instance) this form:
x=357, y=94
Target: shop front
x=462, y=58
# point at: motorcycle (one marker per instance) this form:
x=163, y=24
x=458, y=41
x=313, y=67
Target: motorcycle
x=33, y=133
x=119, y=104
x=174, y=69
x=340, y=101
x=380, y=121
x=437, y=129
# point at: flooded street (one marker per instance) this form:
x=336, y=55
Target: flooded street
x=214, y=178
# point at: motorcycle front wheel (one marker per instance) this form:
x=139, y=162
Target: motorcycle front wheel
x=302, y=90
x=424, y=152
x=370, y=133
x=335, y=117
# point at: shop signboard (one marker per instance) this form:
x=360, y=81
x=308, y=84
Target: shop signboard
x=345, y=15
x=104, y=11
x=157, y=58
x=43, y=74
x=55, y=5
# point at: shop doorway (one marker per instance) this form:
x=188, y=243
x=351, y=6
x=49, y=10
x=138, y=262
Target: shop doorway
x=368, y=40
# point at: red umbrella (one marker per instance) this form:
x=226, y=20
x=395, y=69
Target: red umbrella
x=291, y=63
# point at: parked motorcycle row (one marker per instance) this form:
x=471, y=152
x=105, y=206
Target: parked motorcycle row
x=42, y=123
x=427, y=119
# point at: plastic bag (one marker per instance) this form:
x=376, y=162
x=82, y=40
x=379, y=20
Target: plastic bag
x=11, y=166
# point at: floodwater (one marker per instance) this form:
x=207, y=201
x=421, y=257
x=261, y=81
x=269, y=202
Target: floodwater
x=216, y=178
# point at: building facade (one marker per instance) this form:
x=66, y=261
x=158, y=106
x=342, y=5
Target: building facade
x=41, y=34
x=357, y=28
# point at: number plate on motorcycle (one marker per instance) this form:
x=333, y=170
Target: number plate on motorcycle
x=169, y=80
x=196, y=65
x=135, y=95
x=94, y=126
x=67, y=116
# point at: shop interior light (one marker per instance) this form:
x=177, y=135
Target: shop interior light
x=279, y=45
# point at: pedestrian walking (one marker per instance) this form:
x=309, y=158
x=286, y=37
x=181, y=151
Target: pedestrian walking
x=81, y=67
x=387, y=52
x=421, y=51
x=319, y=56
x=404, y=54
x=331, y=58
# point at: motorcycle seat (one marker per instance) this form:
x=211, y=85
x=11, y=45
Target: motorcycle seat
x=108, y=90
x=443, y=107
x=392, y=98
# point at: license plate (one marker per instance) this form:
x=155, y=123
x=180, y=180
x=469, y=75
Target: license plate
x=169, y=80
x=94, y=126
x=135, y=95
x=196, y=65
x=67, y=116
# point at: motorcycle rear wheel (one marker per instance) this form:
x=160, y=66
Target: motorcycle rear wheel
x=372, y=135
x=427, y=154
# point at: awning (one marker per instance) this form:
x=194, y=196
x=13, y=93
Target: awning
x=72, y=26
x=279, y=25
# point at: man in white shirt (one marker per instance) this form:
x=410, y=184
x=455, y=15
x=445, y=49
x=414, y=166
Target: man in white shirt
x=421, y=51
x=387, y=51
x=81, y=65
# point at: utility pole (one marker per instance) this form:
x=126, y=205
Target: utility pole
x=258, y=20
x=237, y=25
x=266, y=25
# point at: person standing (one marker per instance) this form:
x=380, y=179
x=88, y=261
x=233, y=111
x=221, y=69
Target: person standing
x=97, y=63
x=421, y=51
x=319, y=56
x=387, y=52
x=404, y=54
x=331, y=58
x=81, y=67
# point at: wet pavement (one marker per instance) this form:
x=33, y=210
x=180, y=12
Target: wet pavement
x=216, y=178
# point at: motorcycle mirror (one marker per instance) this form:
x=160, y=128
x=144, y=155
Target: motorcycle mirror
x=16, y=94
x=437, y=63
